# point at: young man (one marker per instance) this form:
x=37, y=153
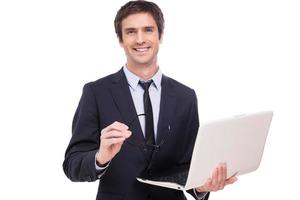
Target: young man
x=136, y=122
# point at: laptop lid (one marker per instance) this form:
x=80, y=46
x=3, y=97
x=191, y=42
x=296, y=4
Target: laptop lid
x=239, y=141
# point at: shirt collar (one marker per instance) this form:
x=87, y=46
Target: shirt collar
x=133, y=80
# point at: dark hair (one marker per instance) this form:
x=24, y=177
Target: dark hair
x=134, y=7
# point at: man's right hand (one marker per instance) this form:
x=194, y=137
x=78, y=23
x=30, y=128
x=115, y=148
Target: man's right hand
x=112, y=139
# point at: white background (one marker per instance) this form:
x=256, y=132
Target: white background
x=239, y=56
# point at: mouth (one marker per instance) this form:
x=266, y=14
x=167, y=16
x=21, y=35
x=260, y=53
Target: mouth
x=141, y=49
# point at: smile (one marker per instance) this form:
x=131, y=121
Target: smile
x=144, y=49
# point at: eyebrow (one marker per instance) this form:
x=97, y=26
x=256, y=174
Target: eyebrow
x=146, y=27
x=133, y=29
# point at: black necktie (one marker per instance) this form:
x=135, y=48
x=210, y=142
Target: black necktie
x=149, y=113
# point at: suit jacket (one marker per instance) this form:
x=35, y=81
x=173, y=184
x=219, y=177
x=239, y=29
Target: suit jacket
x=108, y=100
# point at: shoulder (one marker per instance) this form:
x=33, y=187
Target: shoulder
x=179, y=87
x=106, y=81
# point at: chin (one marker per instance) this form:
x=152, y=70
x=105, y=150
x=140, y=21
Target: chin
x=142, y=61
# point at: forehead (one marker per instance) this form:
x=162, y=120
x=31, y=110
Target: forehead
x=138, y=20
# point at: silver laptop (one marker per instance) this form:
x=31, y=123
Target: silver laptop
x=239, y=141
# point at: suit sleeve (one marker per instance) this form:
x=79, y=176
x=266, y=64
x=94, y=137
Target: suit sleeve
x=193, y=125
x=79, y=163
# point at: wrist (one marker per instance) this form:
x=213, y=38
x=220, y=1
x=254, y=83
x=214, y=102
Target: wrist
x=100, y=160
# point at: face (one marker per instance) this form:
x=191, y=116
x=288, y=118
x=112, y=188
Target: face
x=140, y=40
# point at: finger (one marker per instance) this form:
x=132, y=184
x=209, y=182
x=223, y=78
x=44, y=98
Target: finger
x=115, y=126
x=215, y=176
x=209, y=183
x=128, y=134
x=120, y=125
x=113, y=141
x=221, y=179
x=231, y=180
x=111, y=134
x=222, y=176
x=225, y=169
x=115, y=134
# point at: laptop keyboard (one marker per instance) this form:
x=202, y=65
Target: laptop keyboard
x=179, y=178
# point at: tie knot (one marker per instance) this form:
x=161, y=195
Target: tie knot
x=145, y=85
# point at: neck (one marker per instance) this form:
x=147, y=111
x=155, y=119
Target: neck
x=144, y=72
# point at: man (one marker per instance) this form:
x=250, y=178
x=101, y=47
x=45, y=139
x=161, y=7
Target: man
x=136, y=122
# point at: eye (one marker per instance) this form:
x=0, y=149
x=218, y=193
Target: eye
x=149, y=29
x=130, y=32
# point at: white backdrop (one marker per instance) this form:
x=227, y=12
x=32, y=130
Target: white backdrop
x=239, y=56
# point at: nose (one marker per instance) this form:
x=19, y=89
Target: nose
x=140, y=38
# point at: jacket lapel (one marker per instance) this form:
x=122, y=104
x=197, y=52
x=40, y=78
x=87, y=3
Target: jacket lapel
x=167, y=107
x=123, y=100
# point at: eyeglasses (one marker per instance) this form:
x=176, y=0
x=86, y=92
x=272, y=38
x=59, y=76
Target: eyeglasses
x=152, y=149
x=146, y=147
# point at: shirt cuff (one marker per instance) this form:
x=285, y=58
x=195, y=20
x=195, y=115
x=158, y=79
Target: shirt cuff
x=200, y=195
x=100, y=169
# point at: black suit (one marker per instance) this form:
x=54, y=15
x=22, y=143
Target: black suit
x=108, y=100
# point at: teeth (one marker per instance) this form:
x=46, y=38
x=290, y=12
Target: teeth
x=141, y=49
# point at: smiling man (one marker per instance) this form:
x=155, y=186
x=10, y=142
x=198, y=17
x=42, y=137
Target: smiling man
x=136, y=122
x=140, y=40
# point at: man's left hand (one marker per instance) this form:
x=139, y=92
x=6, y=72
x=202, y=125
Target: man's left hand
x=218, y=180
